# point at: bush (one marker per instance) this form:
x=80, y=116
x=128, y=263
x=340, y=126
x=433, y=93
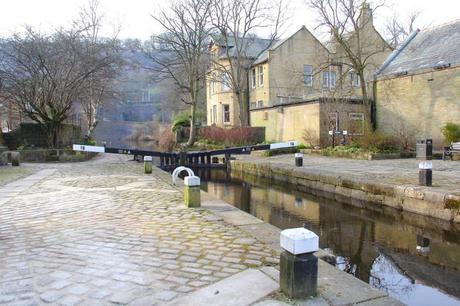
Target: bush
x=237, y=136
x=451, y=132
x=183, y=119
x=180, y=120
x=167, y=141
x=376, y=142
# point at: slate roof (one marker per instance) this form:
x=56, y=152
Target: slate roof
x=252, y=45
x=430, y=48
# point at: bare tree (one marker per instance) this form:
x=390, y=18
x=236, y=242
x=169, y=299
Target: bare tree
x=180, y=53
x=44, y=75
x=350, y=23
x=237, y=22
x=397, y=30
x=99, y=86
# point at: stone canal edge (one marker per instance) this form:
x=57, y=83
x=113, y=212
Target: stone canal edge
x=420, y=200
x=335, y=287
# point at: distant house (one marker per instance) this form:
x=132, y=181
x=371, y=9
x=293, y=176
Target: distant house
x=418, y=86
x=300, y=89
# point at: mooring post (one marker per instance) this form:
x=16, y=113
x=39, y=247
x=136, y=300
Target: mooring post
x=298, y=159
x=298, y=264
x=148, y=161
x=425, y=173
x=192, y=196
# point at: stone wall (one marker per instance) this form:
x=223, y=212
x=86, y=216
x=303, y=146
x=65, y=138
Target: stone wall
x=367, y=194
x=419, y=105
x=306, y=122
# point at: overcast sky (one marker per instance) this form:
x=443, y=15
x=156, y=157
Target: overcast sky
x=134, y=15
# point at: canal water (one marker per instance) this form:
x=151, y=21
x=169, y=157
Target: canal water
x=413, y=258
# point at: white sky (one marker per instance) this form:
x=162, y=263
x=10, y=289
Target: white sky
x=134, y=15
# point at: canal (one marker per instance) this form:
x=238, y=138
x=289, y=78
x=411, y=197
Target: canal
x=413, y=258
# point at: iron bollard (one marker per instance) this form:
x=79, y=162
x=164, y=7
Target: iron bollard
x=298, y=264
x=192, y=197
x=148, y=161
x=298, y=159
x=425, y=173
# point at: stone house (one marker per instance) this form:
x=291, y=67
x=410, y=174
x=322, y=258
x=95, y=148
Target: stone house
x=222, y=107
x=418, y=86
x=300, y=89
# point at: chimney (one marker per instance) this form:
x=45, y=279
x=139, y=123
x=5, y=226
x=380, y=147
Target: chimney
x=365, y=15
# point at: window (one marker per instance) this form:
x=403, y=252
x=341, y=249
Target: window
x=332, y=79
x=260, y=103
x=226, y=113
x=253, y=105
x=356, y=124
x=354, y=78
x=261, y=75
x=214, y=114
x=253, y=77
x=225, y=81
x=326, y=79
x=308, y=75
x=334, y=121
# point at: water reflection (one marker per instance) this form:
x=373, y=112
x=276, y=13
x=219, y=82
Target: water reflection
x=413, y=258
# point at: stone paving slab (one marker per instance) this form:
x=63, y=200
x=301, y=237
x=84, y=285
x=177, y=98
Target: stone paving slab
x=101, y=232
x=240, y=289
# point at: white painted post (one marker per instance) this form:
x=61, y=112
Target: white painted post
x=148, y=161
x=298, y=264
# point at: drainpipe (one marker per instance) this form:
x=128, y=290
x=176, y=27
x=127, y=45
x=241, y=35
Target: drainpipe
x=396, y=52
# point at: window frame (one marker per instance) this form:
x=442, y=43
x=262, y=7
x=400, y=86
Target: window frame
x=308, y=77
x=260, y=75
x=325, y=79
x=225, y=113
x=350, y=119
x=253, y=78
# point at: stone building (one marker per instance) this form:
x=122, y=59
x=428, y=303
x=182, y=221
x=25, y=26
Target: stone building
x=300, y=89
x=221, y=104
x=418, y=86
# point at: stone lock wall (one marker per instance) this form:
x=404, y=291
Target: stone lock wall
x=419, y=105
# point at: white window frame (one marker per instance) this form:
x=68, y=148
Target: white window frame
x=325, y=79
x=224, y=112
x=260, y=103
x=260, y=74
x=307, y=78
x=253, y=78
x=332, y=79
x=355, y=80
x=356, y=117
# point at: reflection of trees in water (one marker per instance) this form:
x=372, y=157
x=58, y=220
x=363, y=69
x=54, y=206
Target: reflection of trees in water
x=387, y=276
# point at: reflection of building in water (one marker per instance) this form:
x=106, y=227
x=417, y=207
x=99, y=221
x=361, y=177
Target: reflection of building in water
x=360, y=237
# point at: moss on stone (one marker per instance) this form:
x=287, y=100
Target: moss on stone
x=452, y=204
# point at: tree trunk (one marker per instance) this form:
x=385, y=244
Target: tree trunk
x=192, y=135
x=243, y=106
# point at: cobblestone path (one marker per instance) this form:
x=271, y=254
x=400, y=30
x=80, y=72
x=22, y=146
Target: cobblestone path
x=102, y=233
